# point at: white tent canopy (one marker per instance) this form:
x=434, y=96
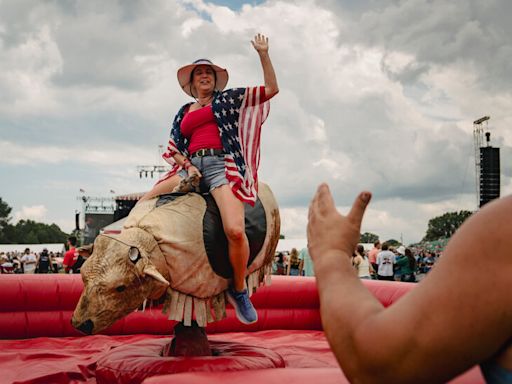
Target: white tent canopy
x=286, y=245
x=36, y=248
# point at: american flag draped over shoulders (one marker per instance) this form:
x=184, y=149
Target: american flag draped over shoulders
x=239, y=113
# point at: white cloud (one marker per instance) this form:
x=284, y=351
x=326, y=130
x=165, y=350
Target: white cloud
x=378, y=98
x=35, y=213
x=14, y=154
x=25, y=71
x=294, y=222
x=190, y=25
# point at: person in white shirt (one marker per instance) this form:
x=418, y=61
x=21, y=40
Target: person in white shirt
x=29, y=261
x=385, y=261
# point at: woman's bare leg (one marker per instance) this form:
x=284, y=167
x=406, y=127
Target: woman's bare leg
x=165, y=186
x=233, y=220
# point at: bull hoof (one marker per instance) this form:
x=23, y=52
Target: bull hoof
x=188, y=341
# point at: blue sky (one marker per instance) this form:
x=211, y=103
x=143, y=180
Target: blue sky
x=377, y=95
x=235, y=5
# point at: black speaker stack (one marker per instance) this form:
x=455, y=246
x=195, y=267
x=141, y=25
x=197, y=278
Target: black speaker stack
x=489, y=174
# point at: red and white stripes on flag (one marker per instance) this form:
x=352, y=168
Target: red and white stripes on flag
x=252, y=115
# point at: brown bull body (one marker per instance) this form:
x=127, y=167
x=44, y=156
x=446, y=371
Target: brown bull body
x=160, y=251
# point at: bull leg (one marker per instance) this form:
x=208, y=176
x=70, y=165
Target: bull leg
x=188, y=341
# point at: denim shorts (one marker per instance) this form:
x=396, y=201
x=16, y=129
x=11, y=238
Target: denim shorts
x=213, y=172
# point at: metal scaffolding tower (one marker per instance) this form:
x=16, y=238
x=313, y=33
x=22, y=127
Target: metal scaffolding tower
x=152, y=170
x=479, y=126
x=93, y=204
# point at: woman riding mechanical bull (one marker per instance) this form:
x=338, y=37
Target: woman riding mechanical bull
x=216, y=138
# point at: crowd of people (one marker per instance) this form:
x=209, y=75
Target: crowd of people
x=30, y=262
x=382, y=262
x=293, y=263
x=43, y=262
x=396, y=264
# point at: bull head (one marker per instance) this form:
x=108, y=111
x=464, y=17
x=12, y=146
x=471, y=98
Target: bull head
x=120, y=274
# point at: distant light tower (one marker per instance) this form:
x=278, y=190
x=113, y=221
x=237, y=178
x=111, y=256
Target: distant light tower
x=151, y=170
x=478, y=138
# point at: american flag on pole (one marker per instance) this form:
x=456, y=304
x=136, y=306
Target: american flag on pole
x=239, y=113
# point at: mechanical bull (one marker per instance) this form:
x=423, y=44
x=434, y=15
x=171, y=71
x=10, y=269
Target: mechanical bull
x=173, y=247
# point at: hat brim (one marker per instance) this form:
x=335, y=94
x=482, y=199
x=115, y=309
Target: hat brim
x=185, y=72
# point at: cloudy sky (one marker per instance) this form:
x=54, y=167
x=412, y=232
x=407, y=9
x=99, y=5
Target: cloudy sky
x=374, y=94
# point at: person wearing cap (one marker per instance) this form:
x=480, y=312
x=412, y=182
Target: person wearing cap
x=216, y=137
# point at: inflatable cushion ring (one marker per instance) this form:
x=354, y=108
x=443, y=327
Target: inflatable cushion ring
x=132, y=363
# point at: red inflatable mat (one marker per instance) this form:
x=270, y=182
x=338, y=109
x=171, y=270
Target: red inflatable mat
x=74, y=360
x=132, y=363
x=283, y=376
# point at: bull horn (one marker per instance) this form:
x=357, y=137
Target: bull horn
x=150, y=270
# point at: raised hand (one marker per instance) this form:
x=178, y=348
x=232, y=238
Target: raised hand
x=328, y=230
x=260, y=43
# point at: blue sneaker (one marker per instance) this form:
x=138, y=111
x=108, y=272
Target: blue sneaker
x=244, y=309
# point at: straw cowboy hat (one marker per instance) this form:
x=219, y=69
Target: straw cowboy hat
x=185, y=72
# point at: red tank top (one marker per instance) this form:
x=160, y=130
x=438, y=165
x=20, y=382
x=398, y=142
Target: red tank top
x=200, y=128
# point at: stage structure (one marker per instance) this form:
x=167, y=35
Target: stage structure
x=97, y=212
x=487, y=163
x=125, y=203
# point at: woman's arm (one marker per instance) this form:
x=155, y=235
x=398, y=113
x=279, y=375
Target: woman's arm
x=186, y=164
x=260, y=44
x=357, y=260
x=401, y=261
x=445, y=325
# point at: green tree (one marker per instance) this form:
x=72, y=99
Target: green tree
x=31, y=232
x=30, y=238
x=444, y=226
x=368, y=237
x=27, y=231
x=5, y=211
x=393, y=243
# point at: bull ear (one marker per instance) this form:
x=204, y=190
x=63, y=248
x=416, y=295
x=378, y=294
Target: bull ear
x=86, y=250
x=150, y=270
